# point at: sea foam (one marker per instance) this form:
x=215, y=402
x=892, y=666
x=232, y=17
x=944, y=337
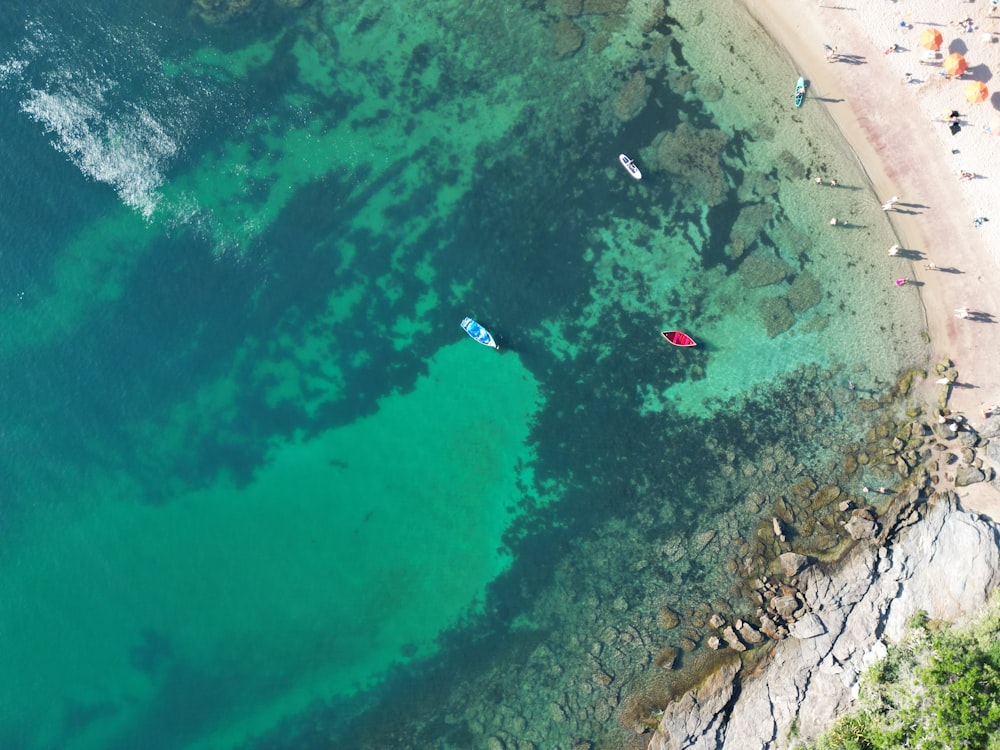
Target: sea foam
x=80, y=99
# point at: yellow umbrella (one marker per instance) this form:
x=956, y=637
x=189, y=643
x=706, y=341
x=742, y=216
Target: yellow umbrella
x=931, y=39
x=976, y=92
x=954, y=64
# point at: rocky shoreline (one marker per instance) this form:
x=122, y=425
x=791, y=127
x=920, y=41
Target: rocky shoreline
x=821, y=626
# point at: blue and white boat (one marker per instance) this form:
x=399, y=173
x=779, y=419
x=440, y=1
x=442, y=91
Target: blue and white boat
x=479, y=333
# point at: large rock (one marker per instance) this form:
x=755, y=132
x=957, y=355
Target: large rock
x=993, y=451
x=792, y=563
x=947, y=564
x=732, y=640
x=861, y=527
x=690, y=719
x=748, y=633
x=990, y=428
x=809, y=626
x=786, y=607
x=966, y=475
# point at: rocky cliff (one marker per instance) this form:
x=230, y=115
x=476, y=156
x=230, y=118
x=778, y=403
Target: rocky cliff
x=930, y=555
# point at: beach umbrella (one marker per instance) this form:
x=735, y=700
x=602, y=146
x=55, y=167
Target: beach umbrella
x=931, y=39
x=976, y=92
x=954, y=64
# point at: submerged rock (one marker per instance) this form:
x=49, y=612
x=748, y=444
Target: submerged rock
x=776, y=315
x=763, y=270
x=694, y=157
x=666, y=657
x=568, y=37
x=631, y=100
x=668, y=619
x=805, y=292
x=750, y=222
x=604, y=7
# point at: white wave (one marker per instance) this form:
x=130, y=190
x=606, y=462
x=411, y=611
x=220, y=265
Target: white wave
x=127, y=151
x=12, y=68
x=117, y=140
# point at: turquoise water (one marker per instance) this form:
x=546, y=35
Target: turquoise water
x=259, y=490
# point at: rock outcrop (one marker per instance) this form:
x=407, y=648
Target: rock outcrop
x=947, y=564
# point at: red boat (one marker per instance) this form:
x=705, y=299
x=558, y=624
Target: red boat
x=678, y=338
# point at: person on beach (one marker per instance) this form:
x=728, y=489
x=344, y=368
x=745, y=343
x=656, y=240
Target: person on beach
x=894, y=250
x=818, y=180
x=890, y=203
x=930, y=265
x=901, y=282
x=833, y=183
x=963, y=175
x=962, y=312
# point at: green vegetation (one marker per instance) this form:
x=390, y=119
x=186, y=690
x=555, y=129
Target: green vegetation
x=937, y=690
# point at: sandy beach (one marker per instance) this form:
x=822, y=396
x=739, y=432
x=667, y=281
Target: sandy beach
x=892, y=109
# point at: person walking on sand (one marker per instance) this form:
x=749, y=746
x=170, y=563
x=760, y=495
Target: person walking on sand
x=894, y=250
x=962, y=312
x=901, y=282
x=890, y=203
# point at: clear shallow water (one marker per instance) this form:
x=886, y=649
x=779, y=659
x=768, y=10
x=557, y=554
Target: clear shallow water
x=261, y=490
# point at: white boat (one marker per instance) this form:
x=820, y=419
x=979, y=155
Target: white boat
x=630, y=166
x=479, y=333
